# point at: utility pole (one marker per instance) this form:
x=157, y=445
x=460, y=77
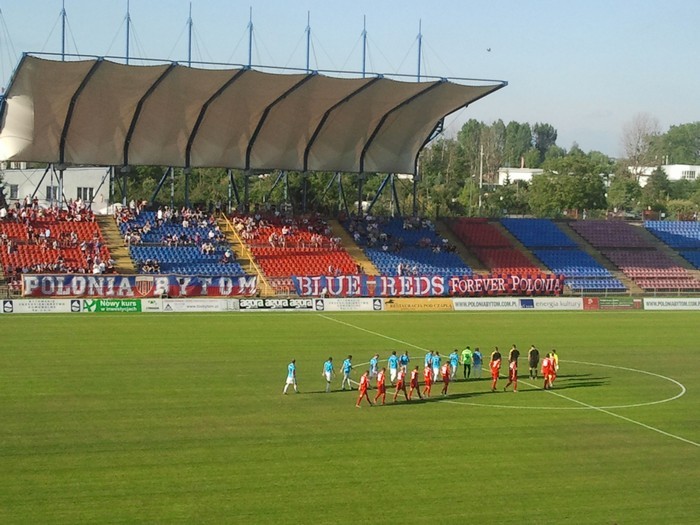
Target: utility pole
x=481, y=174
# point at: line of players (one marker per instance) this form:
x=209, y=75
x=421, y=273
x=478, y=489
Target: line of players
x=433, y=371
x=550, y=367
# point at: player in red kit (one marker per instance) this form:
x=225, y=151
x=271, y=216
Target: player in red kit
x=364, y=385
x=401, y=385
x=381, y=386
x=547, y=371
x=495, y=365
x=414, y=384
x=445, y=372
x=428, y=379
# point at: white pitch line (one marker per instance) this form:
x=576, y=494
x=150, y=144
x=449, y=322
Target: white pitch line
x=592, y=407
x=623, y=417
x=373, y=333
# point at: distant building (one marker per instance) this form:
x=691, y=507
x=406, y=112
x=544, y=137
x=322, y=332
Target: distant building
x=674, y=172
x=89, y=184
x=516, y=174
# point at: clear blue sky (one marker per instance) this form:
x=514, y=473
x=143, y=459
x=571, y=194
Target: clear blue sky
x=584, y=66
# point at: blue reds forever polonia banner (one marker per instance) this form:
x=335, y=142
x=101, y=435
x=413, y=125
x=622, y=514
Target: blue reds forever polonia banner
x=428, y=286
x=81, y=285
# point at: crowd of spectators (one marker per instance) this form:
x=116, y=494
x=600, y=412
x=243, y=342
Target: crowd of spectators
x=370, y=231
x=278, y=231
x=185, y=219
x=40, y=242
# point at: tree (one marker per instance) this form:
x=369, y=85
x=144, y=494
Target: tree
x=518, y=141
x=624, y=192
x=544, y=198
x=680, y=144
x=545, y=136
x=657, y=191
x=638, y=137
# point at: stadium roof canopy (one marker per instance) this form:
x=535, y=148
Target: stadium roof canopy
x=103, y=112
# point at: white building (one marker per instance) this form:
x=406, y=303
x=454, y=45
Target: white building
x=89, y=184
x=674, y=172
x=516, y=174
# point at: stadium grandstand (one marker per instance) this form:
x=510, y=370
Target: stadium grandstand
x=94, y=111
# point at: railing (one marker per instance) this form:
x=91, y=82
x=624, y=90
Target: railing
x=265, y=287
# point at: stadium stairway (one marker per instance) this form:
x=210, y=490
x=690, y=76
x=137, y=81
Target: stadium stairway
x=243, y=255
x=585, y=246
x=443, y=230
x=347, y=242
x=120, y=253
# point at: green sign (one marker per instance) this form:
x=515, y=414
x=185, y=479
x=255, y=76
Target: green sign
x=111, y=305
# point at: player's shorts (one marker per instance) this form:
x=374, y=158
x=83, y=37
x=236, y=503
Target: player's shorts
x=291, y=381
x=534, y=364
x=392, y=374
x=328, y=376
x=400, y=385
x=436, y=372
x=445, y=379
x=381, y=389
x=495, y=372
x=512, y=374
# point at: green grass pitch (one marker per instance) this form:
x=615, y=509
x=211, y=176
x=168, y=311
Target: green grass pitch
x=180, y=418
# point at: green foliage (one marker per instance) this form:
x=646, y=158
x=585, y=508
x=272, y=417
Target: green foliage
x=545, y=136
x=624, y=193
x=680, y=144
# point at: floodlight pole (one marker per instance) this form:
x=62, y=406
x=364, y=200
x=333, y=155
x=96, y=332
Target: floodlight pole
x=364, y=44
x=128, y=31
x=250, y=41
x=63, y=31
x=189, y=38
x=308, y=40
x=420, y=45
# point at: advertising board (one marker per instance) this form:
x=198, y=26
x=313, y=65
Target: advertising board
x=418, y=305
x=359, y=304
x=38, y=306
x=485, y=303
x=676, y=303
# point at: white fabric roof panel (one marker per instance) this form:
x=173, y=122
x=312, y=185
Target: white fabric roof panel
x=403, y=132
x=111, y=96
x=101, y=112
x=231, y=119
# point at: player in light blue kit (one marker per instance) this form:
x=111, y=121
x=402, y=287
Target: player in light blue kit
x=328, y=372
x=403, y=362
x=435, y=363
x=454, y=363
x=429, y=359
x=476, y=360
x=346, y=367
x=373, y=366
x=291, y=377
x=393, y=367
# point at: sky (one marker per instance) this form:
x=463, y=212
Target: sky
x=587, y=67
